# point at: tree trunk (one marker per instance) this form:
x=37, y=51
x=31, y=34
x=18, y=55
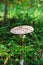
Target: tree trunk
x=5, y=12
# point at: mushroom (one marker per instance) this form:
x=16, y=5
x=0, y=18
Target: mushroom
x=22, y=30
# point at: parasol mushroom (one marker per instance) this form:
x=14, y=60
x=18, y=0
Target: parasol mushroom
x=22, y=30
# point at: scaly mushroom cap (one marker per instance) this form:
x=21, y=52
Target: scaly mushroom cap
x=22, y=29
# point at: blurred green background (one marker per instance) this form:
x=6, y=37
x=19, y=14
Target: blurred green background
x=21, y=12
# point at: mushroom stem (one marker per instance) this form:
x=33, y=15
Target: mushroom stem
x=22, y=57
x=22, y=46
x=23, y=36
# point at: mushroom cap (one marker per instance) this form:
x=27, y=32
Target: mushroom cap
x=22, y=29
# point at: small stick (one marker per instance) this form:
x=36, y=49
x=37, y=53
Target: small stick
x=6, y=60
